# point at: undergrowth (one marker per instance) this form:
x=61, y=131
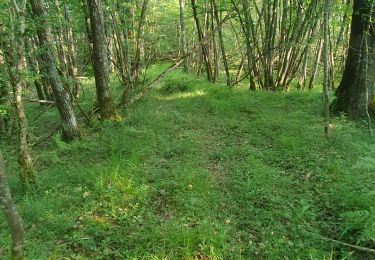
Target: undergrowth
x=199, y=171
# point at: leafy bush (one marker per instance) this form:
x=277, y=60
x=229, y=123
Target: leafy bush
x=171, y=86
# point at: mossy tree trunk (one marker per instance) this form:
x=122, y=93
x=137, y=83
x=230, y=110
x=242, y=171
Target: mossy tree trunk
x=17, y=69
x=355, y=91
x=48, y=68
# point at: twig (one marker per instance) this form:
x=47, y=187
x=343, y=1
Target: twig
x=360, y=248
x=42, y=112
x=47, y=137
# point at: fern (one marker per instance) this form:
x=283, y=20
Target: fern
x=360, y=224
x=365, y=164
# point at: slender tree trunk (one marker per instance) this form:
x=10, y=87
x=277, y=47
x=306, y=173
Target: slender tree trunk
x=140, y=32
x=204, y=48
x=183, y=34
x=214, y=47
x=18, y=81
x=47, y=89
x=326, y=68
x=100, y=61
x=316, y=64
x=71, y=55
x=11, y=215
x=33, y=65
x=48, y=67
x=246, y=11
x=222, y=46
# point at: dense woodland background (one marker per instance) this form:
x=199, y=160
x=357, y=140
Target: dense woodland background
x=202, y=129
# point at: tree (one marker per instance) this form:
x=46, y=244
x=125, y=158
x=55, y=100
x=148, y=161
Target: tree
x=221, y=39
x=248, y=33
x=48, y=68
x=183, y=33
x=18, y=81
x=355, y=92
x=11, y=215
x=204, y=47
x=100, y=61
x=326, y=68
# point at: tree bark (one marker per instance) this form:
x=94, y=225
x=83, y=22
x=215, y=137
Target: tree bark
x=204, y=48
x=355, y=92
x=47, y=89
x=138, y=46
x=222, y=46
x=48, y=67
x=11, y=215
x=71, y=55
x=183, y=34
x=100, y=61
x=246, y=11
x=18, y=81
x=326, y=41
x=33, y=66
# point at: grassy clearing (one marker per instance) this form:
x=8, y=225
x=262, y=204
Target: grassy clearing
x=197, y=170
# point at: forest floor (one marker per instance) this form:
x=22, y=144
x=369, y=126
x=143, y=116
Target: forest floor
x=200, y=171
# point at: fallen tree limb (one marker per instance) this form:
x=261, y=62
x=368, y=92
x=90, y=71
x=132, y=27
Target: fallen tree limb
x=41, y=113
x=359, y=248
x=39, y=101
x=43, y=139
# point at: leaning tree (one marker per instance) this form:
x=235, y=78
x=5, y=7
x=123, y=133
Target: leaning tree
x=11, y=215
x=355, y=92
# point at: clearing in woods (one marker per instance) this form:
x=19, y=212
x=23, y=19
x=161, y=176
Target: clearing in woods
x=194, y=171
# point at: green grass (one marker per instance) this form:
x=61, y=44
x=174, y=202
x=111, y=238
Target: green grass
x=200, y=170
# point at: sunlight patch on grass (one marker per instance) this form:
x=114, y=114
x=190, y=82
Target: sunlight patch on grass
x=196, y=93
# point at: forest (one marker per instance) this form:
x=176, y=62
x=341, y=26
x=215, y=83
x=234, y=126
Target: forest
x=187, y=129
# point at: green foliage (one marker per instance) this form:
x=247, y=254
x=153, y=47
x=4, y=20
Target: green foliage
x=359, y=223
x=172, y=86
x=198, y=170
x=3, y=111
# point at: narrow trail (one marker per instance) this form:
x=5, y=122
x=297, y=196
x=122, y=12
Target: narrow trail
x=200, y=172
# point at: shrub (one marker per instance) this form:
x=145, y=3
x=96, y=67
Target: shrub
x=171, y=86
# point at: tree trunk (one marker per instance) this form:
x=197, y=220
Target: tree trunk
x=246, y=11
x=316, y=64
x=33, y=65
x=355, y=91
x=138, y=48
x=10, y=212
x=222, y=46
x=47, y=89
x=18, y=80
x=183, y=34
x=204, y=48
x=326, y=83
x=71, y=55
x=100, y=61
x=48, y=67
